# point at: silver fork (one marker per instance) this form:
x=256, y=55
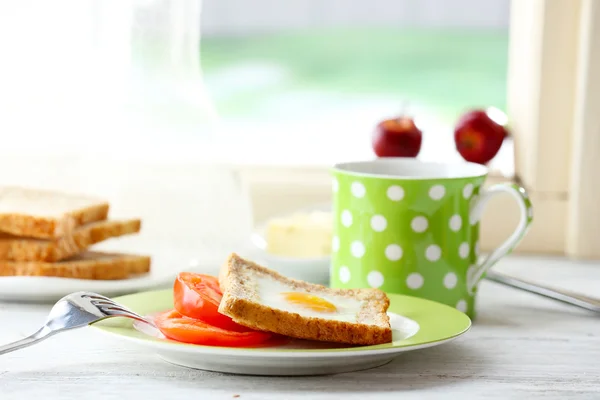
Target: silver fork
x=75, y=310
x=575, y=299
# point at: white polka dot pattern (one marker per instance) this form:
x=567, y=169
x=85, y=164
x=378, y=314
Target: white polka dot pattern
x=378, y=223
x=375, y=279
x=468, y=190
x=346, y=218
x=463, y=250
x=455, y=222
x=357, y=249
x=461, y=306
x=395, y=193
x=419, y=233
x=335, y=243
x=450, y=280
x=433, y=252
x=419, y=224
x=393, y=252
x=414, y=281
x=358, y=190
x=344, y=274
x=437, y=192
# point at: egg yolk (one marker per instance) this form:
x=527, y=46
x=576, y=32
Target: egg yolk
x=309, y=301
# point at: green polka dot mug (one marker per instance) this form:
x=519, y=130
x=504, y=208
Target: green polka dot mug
x=412, y=227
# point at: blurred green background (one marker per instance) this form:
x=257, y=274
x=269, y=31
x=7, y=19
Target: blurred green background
x=444, y=70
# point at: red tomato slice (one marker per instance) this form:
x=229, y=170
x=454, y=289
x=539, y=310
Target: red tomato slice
x=198, y=296
x=187, y=330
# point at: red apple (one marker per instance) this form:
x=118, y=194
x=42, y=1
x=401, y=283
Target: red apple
x=479, y=134
x=398, y=137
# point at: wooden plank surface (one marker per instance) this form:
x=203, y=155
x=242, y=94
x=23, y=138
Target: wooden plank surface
x=521, y=346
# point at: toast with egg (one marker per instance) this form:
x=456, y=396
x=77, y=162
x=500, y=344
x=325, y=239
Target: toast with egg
x=87, y=265
x=262, y=299
x=46, y=214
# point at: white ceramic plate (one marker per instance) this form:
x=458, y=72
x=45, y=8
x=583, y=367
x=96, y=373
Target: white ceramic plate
x=41, y=289
x=416, y=323
x=165, y=266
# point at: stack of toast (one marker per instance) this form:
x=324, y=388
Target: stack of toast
x=49, y=233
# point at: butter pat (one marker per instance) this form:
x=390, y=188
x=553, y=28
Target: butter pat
x=301, y=235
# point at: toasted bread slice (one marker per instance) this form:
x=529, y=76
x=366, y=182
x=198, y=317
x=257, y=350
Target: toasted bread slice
x=14, y=248
x=87, y=265
x=46, y=214
x=255, y=296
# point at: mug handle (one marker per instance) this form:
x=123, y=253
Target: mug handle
x=474, y=275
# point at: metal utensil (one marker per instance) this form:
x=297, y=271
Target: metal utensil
x=589, y=303
x=75, y=311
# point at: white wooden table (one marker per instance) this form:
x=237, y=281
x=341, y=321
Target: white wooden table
x=521, y=346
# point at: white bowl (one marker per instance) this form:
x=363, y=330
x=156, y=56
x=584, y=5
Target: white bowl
x=314, y=270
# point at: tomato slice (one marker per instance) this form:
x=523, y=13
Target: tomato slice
x=198, y=296
x=187, y=330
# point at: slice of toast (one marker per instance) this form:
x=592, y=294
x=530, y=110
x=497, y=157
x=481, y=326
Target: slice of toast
x=14, y=248
x=87, y=265
x=46, y=214
x=253, y=296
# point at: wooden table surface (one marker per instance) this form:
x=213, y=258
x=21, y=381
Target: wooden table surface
x=521, y=346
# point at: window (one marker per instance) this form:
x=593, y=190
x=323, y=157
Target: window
x=299, y=85
x=296, y=82
x=319, y=75
x=552, y=102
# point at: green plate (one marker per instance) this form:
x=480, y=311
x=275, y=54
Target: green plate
x=417, y=323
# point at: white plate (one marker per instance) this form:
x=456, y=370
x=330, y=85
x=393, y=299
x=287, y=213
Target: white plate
x=270, y=362
x=50, y=289
x=164, y=268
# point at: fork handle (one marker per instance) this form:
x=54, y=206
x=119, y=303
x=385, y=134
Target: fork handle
x=37, y=337
x=576, y=299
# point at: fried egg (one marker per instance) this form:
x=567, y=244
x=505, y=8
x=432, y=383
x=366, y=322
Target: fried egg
x=313, y=304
